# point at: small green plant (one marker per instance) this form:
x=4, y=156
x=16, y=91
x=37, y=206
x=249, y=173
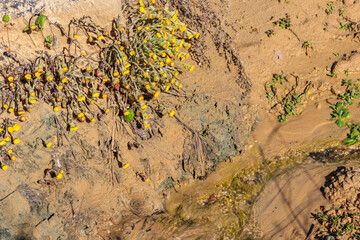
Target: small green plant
x=340, y=109
x=308, y=46
x=321, y=217
x=342, y=12
x=270, y=32
x=353, y=136
x=48, y=41
x=281, y=78
x=340, y=113
x=337, y=54
x=344, y=26
x=330, y=8
x=339, y=232
x=6, y=18
x=288, y=100
x=284, y=23
x=348, y=228
x=331, y=74
x=334, y=219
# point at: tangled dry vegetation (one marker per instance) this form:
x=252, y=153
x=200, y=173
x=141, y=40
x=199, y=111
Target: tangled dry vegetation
x=138, y=59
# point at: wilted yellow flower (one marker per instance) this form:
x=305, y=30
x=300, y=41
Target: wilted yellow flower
x=142, y=10
x=74, y=128
x=126, y=165
x=156, y=94
x=83, y=53
x=81, y=98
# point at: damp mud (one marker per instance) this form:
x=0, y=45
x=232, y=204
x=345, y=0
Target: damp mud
x=224, y=167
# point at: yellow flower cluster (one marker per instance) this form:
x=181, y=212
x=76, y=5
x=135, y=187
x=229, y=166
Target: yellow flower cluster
x=150, y=59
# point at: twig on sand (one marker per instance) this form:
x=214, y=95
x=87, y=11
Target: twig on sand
x=8, y=195
x=64, y=133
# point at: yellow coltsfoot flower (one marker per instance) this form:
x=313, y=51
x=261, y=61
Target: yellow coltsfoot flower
x=28, y=76
x=171, y=113
x=16, y=127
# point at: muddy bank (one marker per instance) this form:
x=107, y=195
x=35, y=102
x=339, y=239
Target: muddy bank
x=97, y=198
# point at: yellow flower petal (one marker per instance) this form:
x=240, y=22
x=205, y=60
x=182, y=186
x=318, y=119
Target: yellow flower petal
x=16, y=127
